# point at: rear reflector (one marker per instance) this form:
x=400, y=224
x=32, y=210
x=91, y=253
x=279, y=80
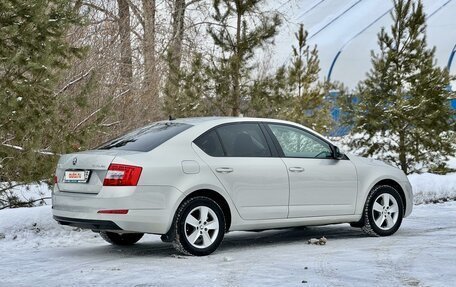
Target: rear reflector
x=114, y=211
x=122, y=175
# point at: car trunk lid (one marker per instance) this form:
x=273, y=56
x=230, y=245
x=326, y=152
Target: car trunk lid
x=92, y=164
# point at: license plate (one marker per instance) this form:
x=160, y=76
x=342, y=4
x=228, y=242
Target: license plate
x=76, y=176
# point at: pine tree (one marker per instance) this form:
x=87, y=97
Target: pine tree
x=346, y=101
x=308, y=104
x=188, y=96
x=241, y=29
x=404, y=114
x=269, y=95
x=33, y=51
x=221, y=82
x=295, y=93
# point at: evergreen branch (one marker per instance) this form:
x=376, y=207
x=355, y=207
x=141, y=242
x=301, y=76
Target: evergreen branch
x=7, y=140
x=19, y=204
x=9, y=187
x=5, y=158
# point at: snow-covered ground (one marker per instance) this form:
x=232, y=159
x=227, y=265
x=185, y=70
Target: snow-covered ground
x=428, y=187
x=35, y=251
x=421, y=253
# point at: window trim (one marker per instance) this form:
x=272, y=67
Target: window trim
x=269, y=141
x=280, y=150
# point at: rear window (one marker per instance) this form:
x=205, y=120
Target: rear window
x=146, y=138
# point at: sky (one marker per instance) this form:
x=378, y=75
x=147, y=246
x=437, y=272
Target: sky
x=351, y=26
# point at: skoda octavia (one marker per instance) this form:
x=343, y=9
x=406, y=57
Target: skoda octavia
x=193, y=180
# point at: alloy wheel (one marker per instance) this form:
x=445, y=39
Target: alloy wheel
x=201, y=227
x=385, y=211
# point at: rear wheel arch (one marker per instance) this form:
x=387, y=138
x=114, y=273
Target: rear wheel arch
x=206, y=192
x=215, y=196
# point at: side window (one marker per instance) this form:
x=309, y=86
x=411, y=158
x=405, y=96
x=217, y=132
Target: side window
x=298, y=143
x=210, y=144
x=243, y=140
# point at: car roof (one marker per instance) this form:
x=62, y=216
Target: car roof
x=221, y=120
x=205, y=123
x=208, y=122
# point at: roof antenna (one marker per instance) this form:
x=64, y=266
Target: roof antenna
x=171, y=118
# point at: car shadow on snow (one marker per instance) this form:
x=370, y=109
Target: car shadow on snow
x=234, y=241
x=241, y=240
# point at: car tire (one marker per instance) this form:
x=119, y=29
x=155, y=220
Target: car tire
x=121, y=239
x=383, y=211
x=199, y=226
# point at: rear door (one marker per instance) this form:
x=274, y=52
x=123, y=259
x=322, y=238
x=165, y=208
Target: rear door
x=241, y=158
x=319, y=184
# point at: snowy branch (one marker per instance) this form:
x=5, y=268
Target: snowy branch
x=98, y=110
x=9, y=187
x=107, y=125
x=25, y=203
x=79, y=78
x=43, y=152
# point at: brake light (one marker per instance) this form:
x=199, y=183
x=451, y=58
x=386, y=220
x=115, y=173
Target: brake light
x=56, y=180
x=122, y=175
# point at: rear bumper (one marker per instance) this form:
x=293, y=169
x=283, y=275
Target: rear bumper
x=95, y=225
x=150, y=208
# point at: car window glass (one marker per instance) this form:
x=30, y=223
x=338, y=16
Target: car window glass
x=210, y=144
x=146, y=138
x=298, y=143
x=243, y=140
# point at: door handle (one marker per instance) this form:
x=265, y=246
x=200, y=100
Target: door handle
x=296, y=169
x=224, y=169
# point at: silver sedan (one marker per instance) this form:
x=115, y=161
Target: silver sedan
x=193, y=180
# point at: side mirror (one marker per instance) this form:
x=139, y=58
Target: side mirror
x=337, y=153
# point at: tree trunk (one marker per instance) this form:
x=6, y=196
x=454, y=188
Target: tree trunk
x=149, y=44
x=126, y=69
x=402, y=153
x=236, y=65
x=175, y=47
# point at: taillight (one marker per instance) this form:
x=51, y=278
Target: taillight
x=56, y=180
x=122, y=175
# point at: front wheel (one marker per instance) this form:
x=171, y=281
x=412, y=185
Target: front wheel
x=199, y=226
x=121, y=239
x=383, y=211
